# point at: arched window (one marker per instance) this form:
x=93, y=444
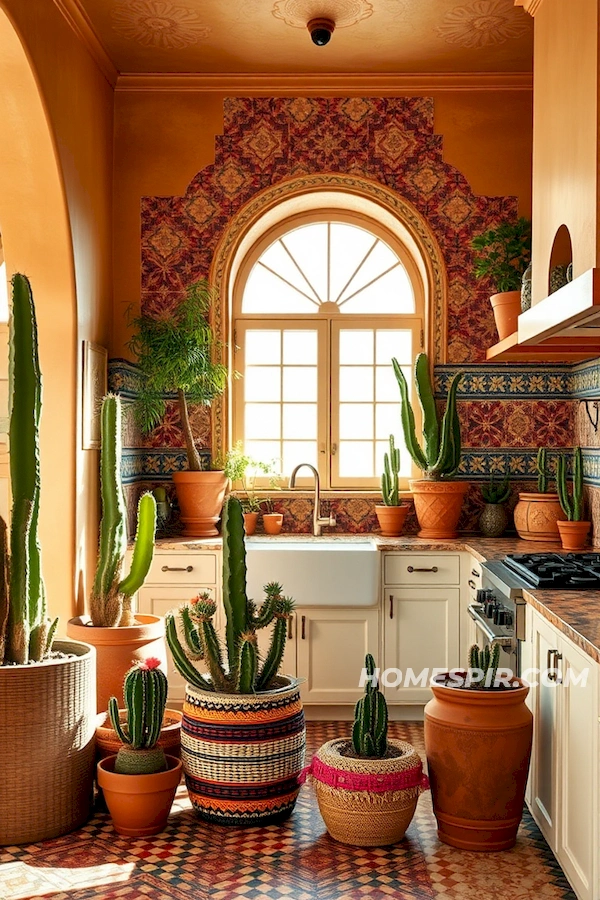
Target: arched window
x=322, y=303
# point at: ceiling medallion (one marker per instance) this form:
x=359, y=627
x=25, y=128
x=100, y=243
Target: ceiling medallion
x=343, y=12
x=159, y=23
x=482, y=23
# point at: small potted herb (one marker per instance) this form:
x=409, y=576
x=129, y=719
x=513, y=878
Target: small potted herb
x=392, y=513
x=494, y=518
x=243, y=471
x=537, y=514
x=573, y=531
x=503, y=254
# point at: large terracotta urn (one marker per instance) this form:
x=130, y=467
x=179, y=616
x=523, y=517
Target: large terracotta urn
x=437, y=506
x=536, y=517
x=200, y=496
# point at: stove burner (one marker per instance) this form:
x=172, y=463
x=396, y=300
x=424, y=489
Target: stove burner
x=556, y=570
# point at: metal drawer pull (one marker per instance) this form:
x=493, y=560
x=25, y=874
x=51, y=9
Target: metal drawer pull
x=303, y=628
x=412, y=569
x=391, y=606
x=549, y=666
x=475, y=573
x=290, y=628
x=177, y=569
x=472, y=584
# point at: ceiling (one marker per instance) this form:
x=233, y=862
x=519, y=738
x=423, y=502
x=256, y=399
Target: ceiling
x=270, y=36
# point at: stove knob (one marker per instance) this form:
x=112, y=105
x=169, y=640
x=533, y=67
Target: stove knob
x=509, y=619
x=491, y=607
x=481, y=595
x=500, y=617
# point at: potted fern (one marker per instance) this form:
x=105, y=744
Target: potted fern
x=478, y=733
x=437, y=496
x=178, y=354
x=574, y=530
x=392, y=512
x=494, y=518
x=503, y=254
x=367, y=786
x=537, y=514
x=242, y=732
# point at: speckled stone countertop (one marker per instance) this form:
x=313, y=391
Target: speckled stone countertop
x=575, y=614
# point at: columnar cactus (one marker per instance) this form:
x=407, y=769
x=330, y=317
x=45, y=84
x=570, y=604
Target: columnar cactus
x=369, y=734
x=389, y=476
x=485, y=661
x=242, y=673
x=25, y=631
x=544, y=473
x=440, y=455
x=572, y=505
x=110, y=602
x=145, y=695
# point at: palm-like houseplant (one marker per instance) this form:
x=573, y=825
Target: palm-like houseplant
x=503, y=254
x=179, y=354
x=243, y=725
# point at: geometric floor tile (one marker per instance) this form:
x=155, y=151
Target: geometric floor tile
x=192, y=860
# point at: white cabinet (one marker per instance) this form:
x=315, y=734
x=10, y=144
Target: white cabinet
x=288, y=663
x=564, y=776
x=421, y=609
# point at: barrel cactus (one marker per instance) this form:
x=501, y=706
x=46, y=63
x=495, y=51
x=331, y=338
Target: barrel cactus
x=234, y=667
x=110, y=602
x=485, y=661
x=145, y=696
x=369, y=734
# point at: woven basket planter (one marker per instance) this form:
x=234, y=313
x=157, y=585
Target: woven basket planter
x=47, y=727
x=367, y=802
x=242, y=753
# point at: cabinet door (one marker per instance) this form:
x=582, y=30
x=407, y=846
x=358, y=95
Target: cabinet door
x=578, y=771
x=332, y=644
x=420, y=632
x=288, y=664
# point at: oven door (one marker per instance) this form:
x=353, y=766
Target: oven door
x=486, y=633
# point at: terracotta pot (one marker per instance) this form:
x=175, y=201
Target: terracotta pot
x=117, y=649
x=506, y=307
x=139, y=804
x=478, y=744
x=200, y=496
x=273, y=522
x=391, y=518
x=438, y=505
x=493, y=520
x=250, y=520
x=573, y=535
x=536, y=517
x=108, y=744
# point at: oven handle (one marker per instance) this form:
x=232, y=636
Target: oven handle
x=505, y=643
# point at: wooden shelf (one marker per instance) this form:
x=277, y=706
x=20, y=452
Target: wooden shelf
x=559, y=349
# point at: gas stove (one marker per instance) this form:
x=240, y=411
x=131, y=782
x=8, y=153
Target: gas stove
x=563, y=571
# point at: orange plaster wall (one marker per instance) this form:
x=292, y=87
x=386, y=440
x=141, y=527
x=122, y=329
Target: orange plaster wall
x=78, y=102
x=164, y=138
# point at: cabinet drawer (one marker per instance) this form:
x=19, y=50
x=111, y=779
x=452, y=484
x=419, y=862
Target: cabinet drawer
x=424, y=569
x=183, y=568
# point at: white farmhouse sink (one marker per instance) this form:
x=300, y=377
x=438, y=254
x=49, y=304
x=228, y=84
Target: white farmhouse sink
x=320, y=572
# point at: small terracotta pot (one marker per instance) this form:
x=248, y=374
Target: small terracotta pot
x=139, y=804
x=200, y=496
x=537, y=516
x=107, y=742
x=573, y=535
x=438, y=505
x=273, y=522
x=250, y=520
x=391, y=518
x=506, y=307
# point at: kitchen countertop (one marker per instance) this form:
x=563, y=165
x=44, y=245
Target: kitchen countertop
x=575, y=614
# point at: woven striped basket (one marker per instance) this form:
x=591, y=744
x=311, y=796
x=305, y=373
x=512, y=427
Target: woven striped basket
x=242, y=753
x=47, y=727
x=367, y=802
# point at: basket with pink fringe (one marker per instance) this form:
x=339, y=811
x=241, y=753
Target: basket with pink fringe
x=367, y=802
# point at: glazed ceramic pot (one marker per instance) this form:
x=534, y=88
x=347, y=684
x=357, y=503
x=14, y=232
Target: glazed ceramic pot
x=391, y=518
x=139, y=804
x=536, y=517
x=478, y=745
x=108, y=743
x=367, y=802
x=573, y=535
x=250, y=520
x=200, y=496
x=438, y=505
x=273, y=522
x=493, y=520
x=506, y=307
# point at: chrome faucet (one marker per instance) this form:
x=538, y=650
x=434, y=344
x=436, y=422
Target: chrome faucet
x=318, y=522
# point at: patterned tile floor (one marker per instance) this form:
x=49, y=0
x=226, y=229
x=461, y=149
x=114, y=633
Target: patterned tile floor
x=295, y=861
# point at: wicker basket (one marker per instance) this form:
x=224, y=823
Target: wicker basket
x=47, y=726
x=367, y=802
x=242, y=753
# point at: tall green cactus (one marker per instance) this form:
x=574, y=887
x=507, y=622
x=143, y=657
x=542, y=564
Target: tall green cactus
x=486, y=661
x=369, y=733
x=389, y=476
x=440, y=455
x=145, y=695
x=110, y=602
x=25, y=631
x=544, y=473
x=572, y=505
x=242, y=672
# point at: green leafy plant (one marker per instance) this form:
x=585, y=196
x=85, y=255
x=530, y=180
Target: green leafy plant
x=243, y=470
x=145, y=696
x=242, y=672
x=504, y=253
x=26, y=633
x=572, y=504
x=440, y=455
x=389, y=476
x=544, y=472
x=110, y=601
x=178, y=353
x=369, y=733
x=484, y=661
x=496, y=492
